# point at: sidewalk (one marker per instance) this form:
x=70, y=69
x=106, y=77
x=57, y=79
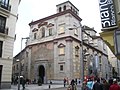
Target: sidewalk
x=35, y=87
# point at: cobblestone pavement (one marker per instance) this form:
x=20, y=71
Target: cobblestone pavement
x=63, y=88
x=43, y=87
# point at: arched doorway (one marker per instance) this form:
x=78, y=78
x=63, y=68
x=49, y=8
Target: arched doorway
x=41, y=72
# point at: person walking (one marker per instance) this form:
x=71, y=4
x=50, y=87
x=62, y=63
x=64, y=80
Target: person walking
x=106, y=85
x=64, y=82
x=23, y=81
x=85, y=87
x=73, y=85
x=90, y=84
x=97, y=85
x=114, y=86
x=110, y=81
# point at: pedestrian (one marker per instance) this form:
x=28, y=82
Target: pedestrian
x=115, y=85
x=106, y=85
x=15, y=81
x=97, y=85
x=85, y=87
x=23, y=81
x=27, y=82
x=110, y=81
x=64, y=82
x=90, y=84
x=76, y=81
x=73, y=85
x=67, y=80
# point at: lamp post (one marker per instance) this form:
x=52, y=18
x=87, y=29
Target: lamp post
x=20, y=65
x=19, y=73
x=22, y=40
x=21, y=47
x=82, y=59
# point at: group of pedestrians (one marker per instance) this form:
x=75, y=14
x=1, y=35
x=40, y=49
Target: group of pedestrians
x=24, y=82
x=103, y=84
x=71, y=84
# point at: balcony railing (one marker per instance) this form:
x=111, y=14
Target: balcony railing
x=4, y=31
x=5, y=6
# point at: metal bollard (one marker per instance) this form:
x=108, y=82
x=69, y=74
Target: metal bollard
x=49, y=86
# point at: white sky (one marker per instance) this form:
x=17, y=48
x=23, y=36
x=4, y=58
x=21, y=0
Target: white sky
x=36, y=9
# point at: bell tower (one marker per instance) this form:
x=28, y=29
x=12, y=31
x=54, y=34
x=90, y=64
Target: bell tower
x=67, y=6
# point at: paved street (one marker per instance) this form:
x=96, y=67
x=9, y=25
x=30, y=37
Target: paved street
x=43, y=87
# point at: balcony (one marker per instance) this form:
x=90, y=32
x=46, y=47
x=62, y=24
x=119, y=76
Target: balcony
x=4, y=31
x=5, y=8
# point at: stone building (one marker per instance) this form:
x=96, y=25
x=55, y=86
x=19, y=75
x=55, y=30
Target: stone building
x=97, y=61
x=55, y=45
x=115, y=64
x=8, y=18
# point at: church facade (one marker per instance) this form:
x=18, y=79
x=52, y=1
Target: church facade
x=55, y=46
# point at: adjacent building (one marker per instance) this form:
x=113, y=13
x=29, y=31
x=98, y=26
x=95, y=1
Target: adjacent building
x=115, y=64
x=97, y=61
x=58, y=44
x=8, y=18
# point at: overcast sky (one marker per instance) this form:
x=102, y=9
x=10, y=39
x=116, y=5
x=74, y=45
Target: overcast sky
x=36, y=9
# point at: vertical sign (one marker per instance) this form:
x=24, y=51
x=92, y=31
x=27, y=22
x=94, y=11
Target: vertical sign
x=107, y=13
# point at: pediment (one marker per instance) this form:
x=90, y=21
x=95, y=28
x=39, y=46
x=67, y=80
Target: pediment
x=61, y=45
x=50, y=25
x=35, y=29
x=42, y=24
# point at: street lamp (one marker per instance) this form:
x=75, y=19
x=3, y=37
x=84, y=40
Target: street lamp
x=20, y=65
x=21, y=48
x=19, y=73
x=22, y=40
x=83, y=54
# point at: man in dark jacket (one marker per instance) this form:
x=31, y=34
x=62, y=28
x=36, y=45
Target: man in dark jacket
x=23, y=83
x=114, y=86
x=97, y=85
x=106, y=85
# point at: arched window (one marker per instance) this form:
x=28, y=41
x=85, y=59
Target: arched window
x=60, y=9
x=64, y=7
x=43, y=32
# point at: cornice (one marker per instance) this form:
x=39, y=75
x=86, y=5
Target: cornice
x=70, y=38
x=56, y=15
